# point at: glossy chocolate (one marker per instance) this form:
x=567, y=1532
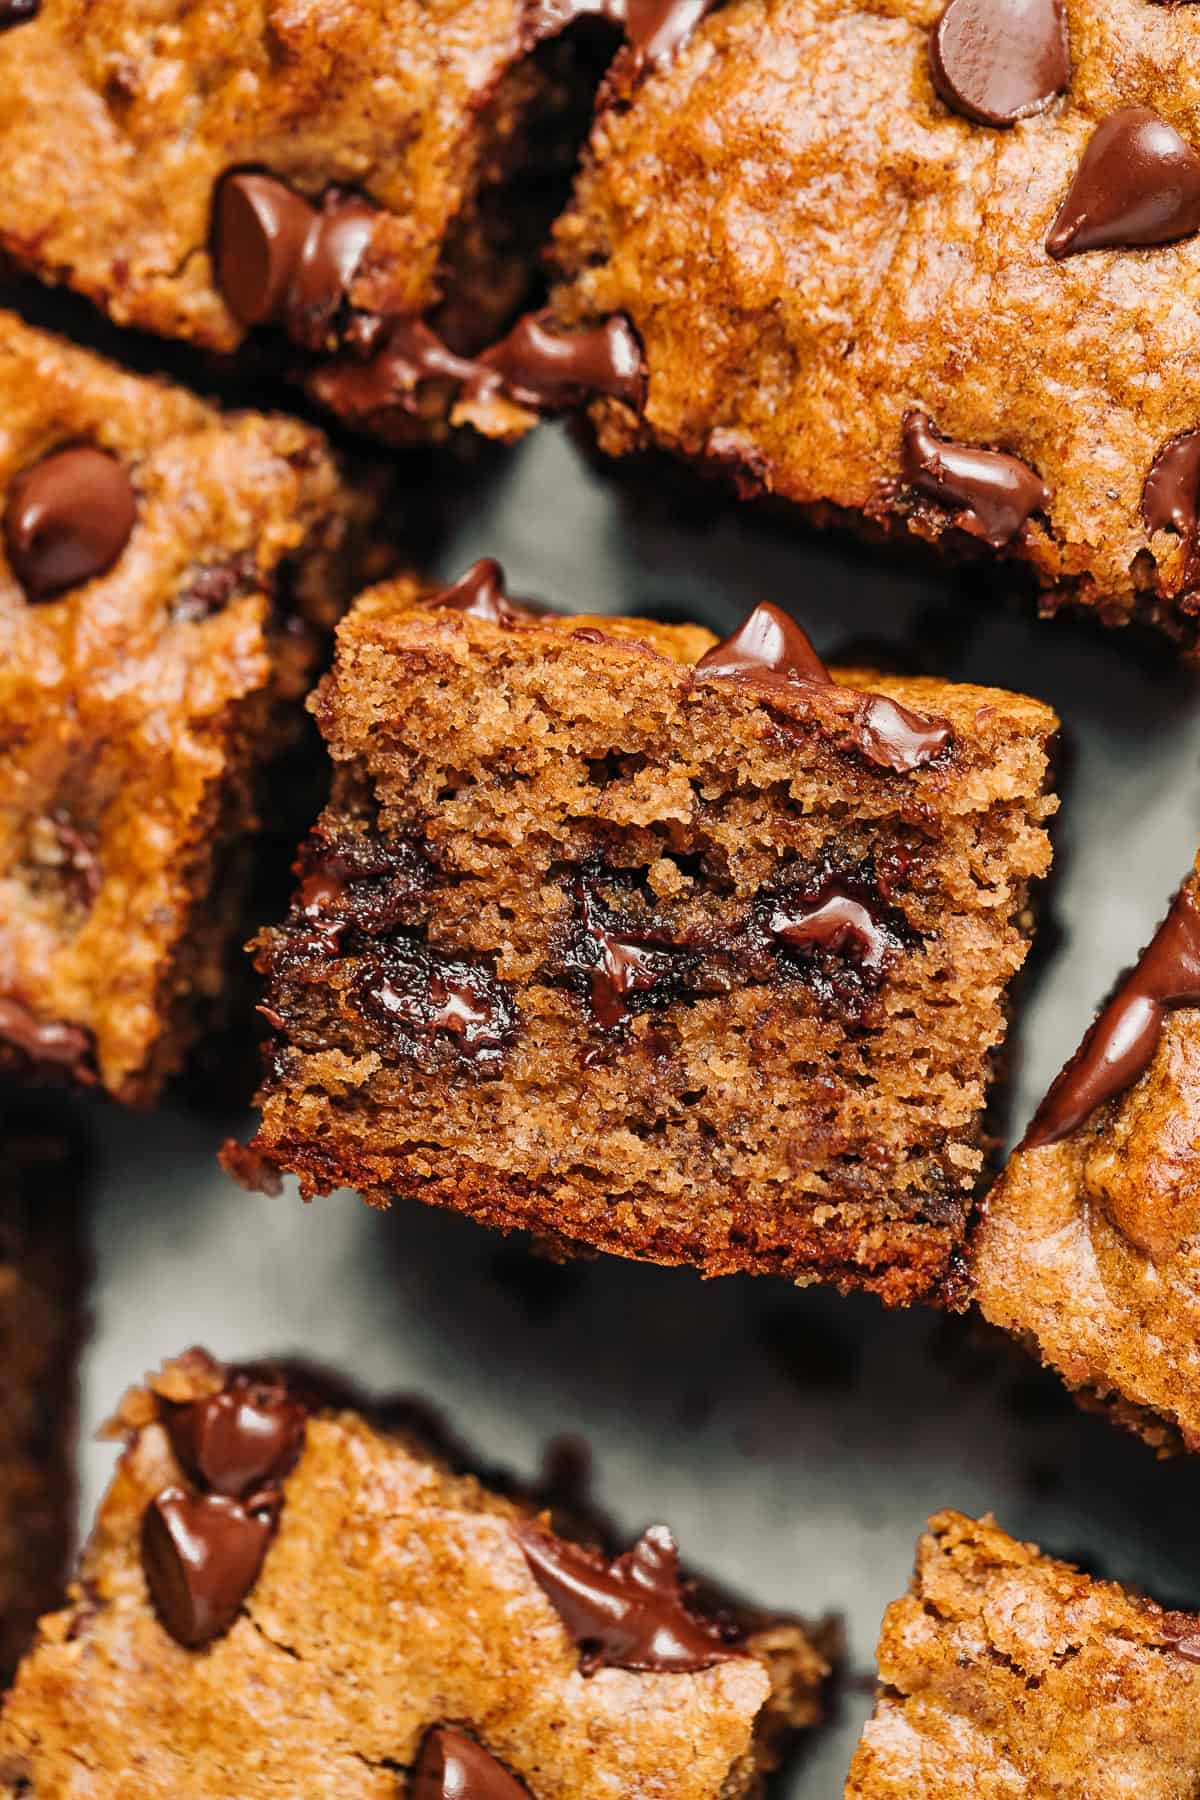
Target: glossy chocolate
x=654, y=29
x=482, y=594
x=333, y=247
x=996, y=61
x=453, y=1766
x=419, y=997
x=628, y=1614
x=833, y=920
x=1121, y=1044
x=18, y=12
x=201, y=1554
x=260, y=228
x=45, y=1043
x=992, y=495
x=237, y=1441
x=547, y=370
x=1137, y=183
x=769, y=651
x=68, y=519
x=617, y=963
x=1171, y=500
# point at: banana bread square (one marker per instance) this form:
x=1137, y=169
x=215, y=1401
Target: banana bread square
x=683, y=950
x=281, y=1596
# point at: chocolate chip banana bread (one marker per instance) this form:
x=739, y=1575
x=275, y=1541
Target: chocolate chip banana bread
x=157, y=562
x=1008, y=1676
x=280, y=1597
x=370, y=182
x=683, y=950
x=1089, y=1247
x=41, y=1290
x=931, y=268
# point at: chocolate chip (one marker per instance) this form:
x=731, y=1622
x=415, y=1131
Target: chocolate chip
x=656, y=30
x=210, y=589
x=1171, y=500
x=333, y=248
x=201, y=1554
x=992, y=495
x=18, y=12
x=996, y=61
x=406, y=358
x=482, y=594
x=767, y=647
x=418, y=995
x=260, y=230
x=68, y=519
x=832, y=920
x=628, y=1614
x=237, y=1441
x=1137, y=183
x=547, y=370
x=452, y=1766
x=1120, y=1045
x=45, y=1045
x=617, y=963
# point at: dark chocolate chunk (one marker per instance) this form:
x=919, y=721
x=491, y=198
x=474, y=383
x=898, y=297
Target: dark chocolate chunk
x=1138, y=182
x=1121, y=1043
x=68, y=519
x=45, y=1045
x=333, y=248
x=769, y=651
x=201, y=1554
x=18, y=12
x=996, y=61
x=628, y=1614
x=618, y=963
x=418, y=994
x=482, y=594
x=1171, y=500
x=546, y=370
x=992, y=495
x=260, y=229
x=832, y=920
x=452, y=1766
x=237, y=1441
x=654, y=29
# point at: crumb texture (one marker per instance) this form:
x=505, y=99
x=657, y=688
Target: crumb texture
x=395, y=1597
x=791, y=321
x=587, y=945
x=1010, y=1676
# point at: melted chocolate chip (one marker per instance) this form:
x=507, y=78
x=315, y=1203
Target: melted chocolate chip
x=628, y=1614
x=834, y=920
x=481, y=594
x=201, y=1554
x=68, y=519
x=45, y=1045
x=769, y=651
x=419, y=995
x=1171, y=500
x=547, y=370
x=452, y=1766
x=18, y=12
x=280, y=260
x=1137, y=183
x=996, y=61
x=617, y=963
x=1121, y=1044
x=237, y=1441
x=654, y=29
x=992, y=495
x=405, y=359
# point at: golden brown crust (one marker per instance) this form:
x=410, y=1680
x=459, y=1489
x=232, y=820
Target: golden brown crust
x=1009, y=1676
x=394, y=1597
x=134, y=710
x=789, y=320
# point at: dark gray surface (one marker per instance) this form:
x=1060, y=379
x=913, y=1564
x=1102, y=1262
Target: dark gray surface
x=796, y=1441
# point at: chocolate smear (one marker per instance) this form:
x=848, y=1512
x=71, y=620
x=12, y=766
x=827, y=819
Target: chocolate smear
x=238, y=1440
x=833, y=920
x=1121, y=1043
x=996, y=61
x=1138, y=183
x=68, y=519
x=201, y=1554
x=628, y=1614
x=990, y=494
x=769, y=651
x=452, y=1766
x=1171, y=500
x=656, y=30
x=617, y=964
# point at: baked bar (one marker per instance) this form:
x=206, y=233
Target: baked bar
x=1008, y=1676
x=157, y=562
x=370, y=180
x=923, y=268
x=280, y=1597
x=683, y=950
x=41, y=1291
x=1089, y=1247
